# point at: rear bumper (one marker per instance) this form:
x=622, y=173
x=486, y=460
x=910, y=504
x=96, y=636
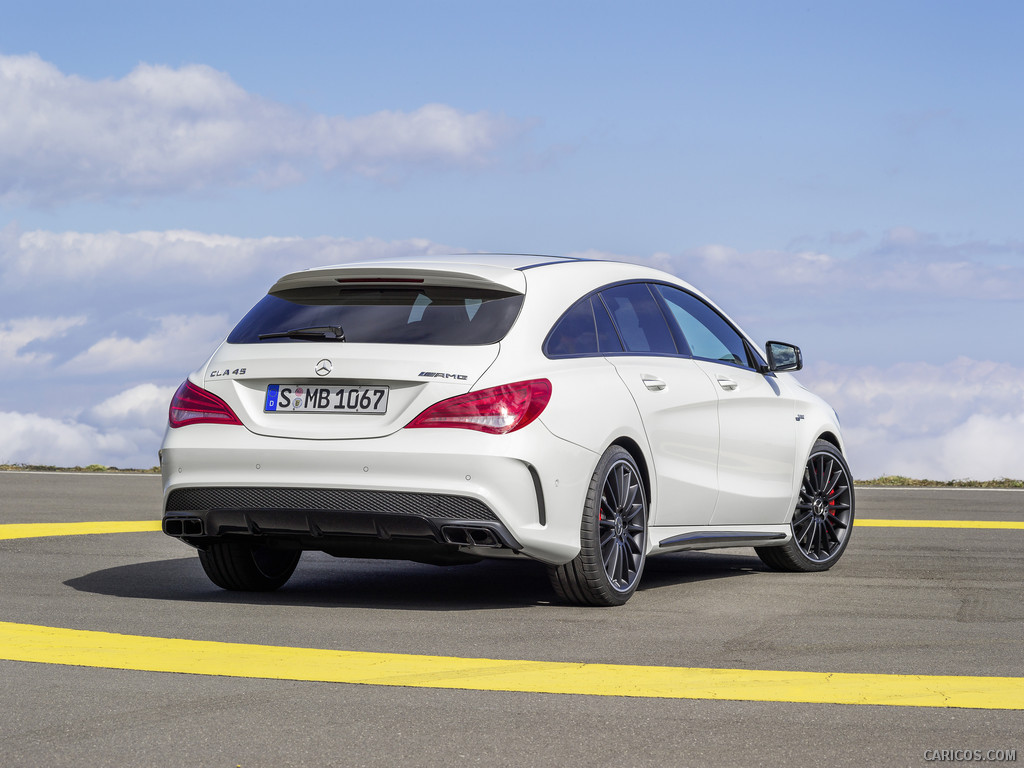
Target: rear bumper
x=415, y=494
x=347, y=523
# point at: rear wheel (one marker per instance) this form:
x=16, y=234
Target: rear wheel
x=823, y=516
x=242, y=567
x=613, y=537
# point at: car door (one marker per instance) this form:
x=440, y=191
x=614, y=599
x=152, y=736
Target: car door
x=677, y=402
x=757, y=422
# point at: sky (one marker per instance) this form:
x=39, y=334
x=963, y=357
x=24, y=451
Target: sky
x=846, y=176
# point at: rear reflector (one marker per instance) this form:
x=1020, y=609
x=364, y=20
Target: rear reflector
x=193, y=405
x=497, y=411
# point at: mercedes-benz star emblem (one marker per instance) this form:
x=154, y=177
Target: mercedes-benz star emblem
x=323, y=367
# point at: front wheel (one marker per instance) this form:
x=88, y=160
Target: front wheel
x=242, y=567
x=613, y=536
x=823, y=516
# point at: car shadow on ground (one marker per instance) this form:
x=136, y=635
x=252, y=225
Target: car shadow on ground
x=324, y=581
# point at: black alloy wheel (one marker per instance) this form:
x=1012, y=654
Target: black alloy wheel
x=621, y=527
x=823, y=517
x=613, y=536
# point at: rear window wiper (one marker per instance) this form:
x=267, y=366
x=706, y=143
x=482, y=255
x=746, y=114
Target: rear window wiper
x=315, y=332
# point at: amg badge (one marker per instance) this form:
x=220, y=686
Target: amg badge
x=435, y=375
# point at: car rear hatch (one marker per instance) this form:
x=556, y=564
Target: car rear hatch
x=359, y=351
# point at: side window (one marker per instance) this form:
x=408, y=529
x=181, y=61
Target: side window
x=639, y=319
x=574, y=333
x=708, y=333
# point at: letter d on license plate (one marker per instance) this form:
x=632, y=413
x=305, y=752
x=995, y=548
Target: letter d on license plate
x=299, y=398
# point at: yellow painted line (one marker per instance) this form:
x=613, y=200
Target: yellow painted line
x=52, y=645
x=880, y=523
x=34, y=530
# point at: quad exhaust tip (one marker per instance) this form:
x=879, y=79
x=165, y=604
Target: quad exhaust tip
x=470, y=536
x=183, y=526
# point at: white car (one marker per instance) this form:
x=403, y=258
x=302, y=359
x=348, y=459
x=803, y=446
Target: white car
x=586, y=414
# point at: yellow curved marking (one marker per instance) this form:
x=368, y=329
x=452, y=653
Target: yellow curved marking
x=35, y=530
x=52, y=645
x=880, y=523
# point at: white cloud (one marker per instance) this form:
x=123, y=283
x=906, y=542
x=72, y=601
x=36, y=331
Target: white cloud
x=432, y=132
x=144, y=406
x=178, y=343
x=16, y=335
x=124, y=430
x=905, y=263
x=160, y=130
x=983, y=447
x=179, y=257
x=33, y=439
x=960, y=420
x=923, y=398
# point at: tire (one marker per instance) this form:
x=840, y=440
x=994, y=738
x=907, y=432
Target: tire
x=613, y=537
x=242, y=567
x=823, y=518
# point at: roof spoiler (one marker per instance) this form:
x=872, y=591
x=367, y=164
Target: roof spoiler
x=464, y=276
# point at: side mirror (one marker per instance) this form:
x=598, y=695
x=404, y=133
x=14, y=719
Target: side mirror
x=783, y=357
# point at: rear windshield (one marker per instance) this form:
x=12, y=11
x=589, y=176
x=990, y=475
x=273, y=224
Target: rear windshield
x=441, y=315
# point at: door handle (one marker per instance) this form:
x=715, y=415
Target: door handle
x=728, y=384
x=653, y=383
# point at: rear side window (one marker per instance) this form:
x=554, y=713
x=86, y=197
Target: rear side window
x=575, y=333
x=442, y=315
x=639, y=319
x=585, y=329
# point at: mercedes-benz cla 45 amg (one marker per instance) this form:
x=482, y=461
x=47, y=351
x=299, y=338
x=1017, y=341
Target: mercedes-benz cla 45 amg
x=584, y=414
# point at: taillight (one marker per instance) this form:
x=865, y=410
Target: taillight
x=192, y=405
x=498, y=410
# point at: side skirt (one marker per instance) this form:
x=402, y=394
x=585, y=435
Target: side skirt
x=718, y=538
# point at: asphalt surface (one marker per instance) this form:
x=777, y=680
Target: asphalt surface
x=901, y=601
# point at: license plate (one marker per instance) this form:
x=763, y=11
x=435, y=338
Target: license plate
x=298, y=398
